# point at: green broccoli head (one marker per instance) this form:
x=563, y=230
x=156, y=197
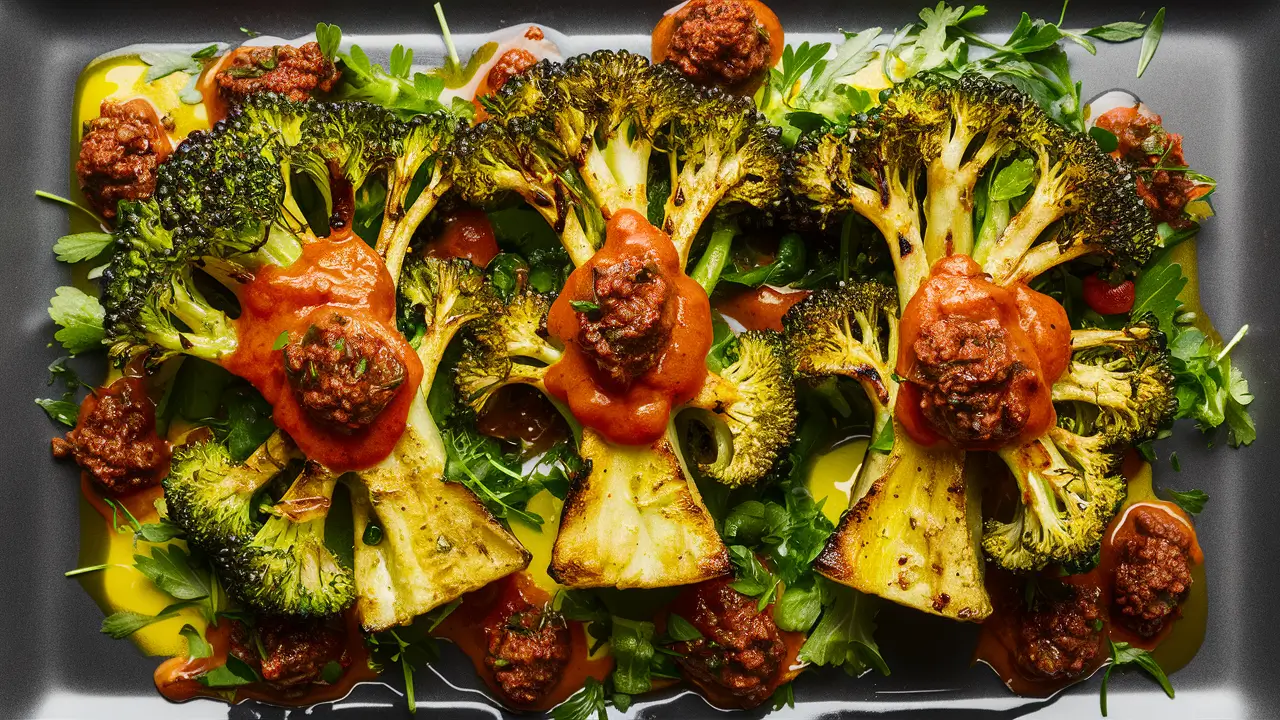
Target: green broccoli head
x=210, y=497
x=420, y=145
x=747, y=411
x=437, y=298
x=351, y=140
x=1063, y=513
x=960, y=136
x=852, y=332
x=508, y=346
x=1118, y=384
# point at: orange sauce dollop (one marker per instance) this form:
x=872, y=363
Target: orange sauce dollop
x=637, y=415
x=759, y=309
x=336, y=274
x=467, y=626
x=1038, y=333
x=660, y=40
x=467, y=234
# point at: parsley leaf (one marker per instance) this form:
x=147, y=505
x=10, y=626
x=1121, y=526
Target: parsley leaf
x=681, y=630
x=632, y=648
x=1192, y=501
x=584, y=704
x=80, y=316
x=170, y=569
x=197, y=646
x=122, y=624
x=79, y=247
x=1117, y=32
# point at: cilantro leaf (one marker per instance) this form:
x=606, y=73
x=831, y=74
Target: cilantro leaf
x=79, y=247
x=80, y=316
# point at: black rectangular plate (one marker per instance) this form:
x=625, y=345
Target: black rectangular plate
x=1214, y=80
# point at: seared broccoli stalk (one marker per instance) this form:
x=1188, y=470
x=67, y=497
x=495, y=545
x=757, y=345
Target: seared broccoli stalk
x=576, y=142
x=645, y=491
x=422, y=146
x=435, y=539
x=950, y=134
x=152, y=301
x=910, y=533
x=1116, y=392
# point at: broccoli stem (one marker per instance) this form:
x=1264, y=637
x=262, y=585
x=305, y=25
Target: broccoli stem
x=713, y=261
x=1043, y=209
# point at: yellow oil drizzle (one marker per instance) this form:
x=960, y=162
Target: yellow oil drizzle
x=120, y=587
x=833, y=474
x=539, y=541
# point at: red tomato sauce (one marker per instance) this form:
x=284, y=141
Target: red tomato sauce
x=637, y=415
x=759, y=309
x=466, y=627
x=1036, y=325
x=467, y=234
x=340, y=273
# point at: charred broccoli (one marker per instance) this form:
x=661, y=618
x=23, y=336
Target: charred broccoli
x=910, y=532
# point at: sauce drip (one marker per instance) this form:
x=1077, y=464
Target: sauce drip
x=637, y=414
x=1032, y=326
x=522, y=413
x=467, y=234
x=465, y=627
x=759, y=309
x=339, y=273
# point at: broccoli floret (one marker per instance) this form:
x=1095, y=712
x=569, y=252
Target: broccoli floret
x=437, y=541
x=422, y=146
x=1117, y=391
x=950, y=134
x=910, y=533
x=1064, y=509
x=211, y=498
x=748, y=410
x=635, y=519
x=1118, y=383
x=286, y=569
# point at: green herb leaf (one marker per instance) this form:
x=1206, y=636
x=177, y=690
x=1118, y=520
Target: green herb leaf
x=1156, y=292
x=122, y=624
x=799, y=607
x=1151, y=41
x=632, y=647
x=844, y=635
x=681, y=630
x=64, y=412
x=206, y=52
x=1123, y=654
x=79, y=247
x=69, y=203
x=329, y=38
x=282, y=340
x=1013, y=180
x=586, y=704
x=456, y=75
x=80, y=316
x=787, y=266
x=234, y=674
x=584, y=306
x=158, y=532
x=1117, y=32
x=883, y=442
x=169, y=568
x=197, y=646
x=753, y=579
x=164, y=64
x=1106, y=139
x=1192, y=501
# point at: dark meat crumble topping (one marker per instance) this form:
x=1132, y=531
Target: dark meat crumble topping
x=1062, y=634
x=342, y=375
x=115, y=439
x=528, y=651
x=627, y=332
x=720, y=43
x=118, y=156
x=1153, y=576
x=295, y=72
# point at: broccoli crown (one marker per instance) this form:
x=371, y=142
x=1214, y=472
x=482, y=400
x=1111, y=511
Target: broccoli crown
x=436, y=292
x=508, y=346
x=287, y=570
x=954, y=133
x=1064, y=509
x=351, y=139
x=1118, y=384
x=145, y=251
x=751, y=413
x=210, y=497
x=851, y=331
x=579, y=135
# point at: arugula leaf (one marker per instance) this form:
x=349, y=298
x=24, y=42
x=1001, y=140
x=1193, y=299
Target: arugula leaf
x=1192, y=501
x=249, y=422
x=799, y=607
x=844, y=634
x=169, y=569
x=585, y=606
x=1156, y=292
x=389, y=646
x=1117, y=32
x=477, y=461
x=1123, y=654
x=584, y=704
x=784, y=696
x=753, y=578
x=80, y=316
x=681, y=630
x=79, y=247
x=1151, y=41
x=632, y=647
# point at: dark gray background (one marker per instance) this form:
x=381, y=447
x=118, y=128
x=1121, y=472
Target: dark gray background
x=1214, y=80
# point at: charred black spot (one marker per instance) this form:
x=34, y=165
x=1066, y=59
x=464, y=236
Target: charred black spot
x=904, y=246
